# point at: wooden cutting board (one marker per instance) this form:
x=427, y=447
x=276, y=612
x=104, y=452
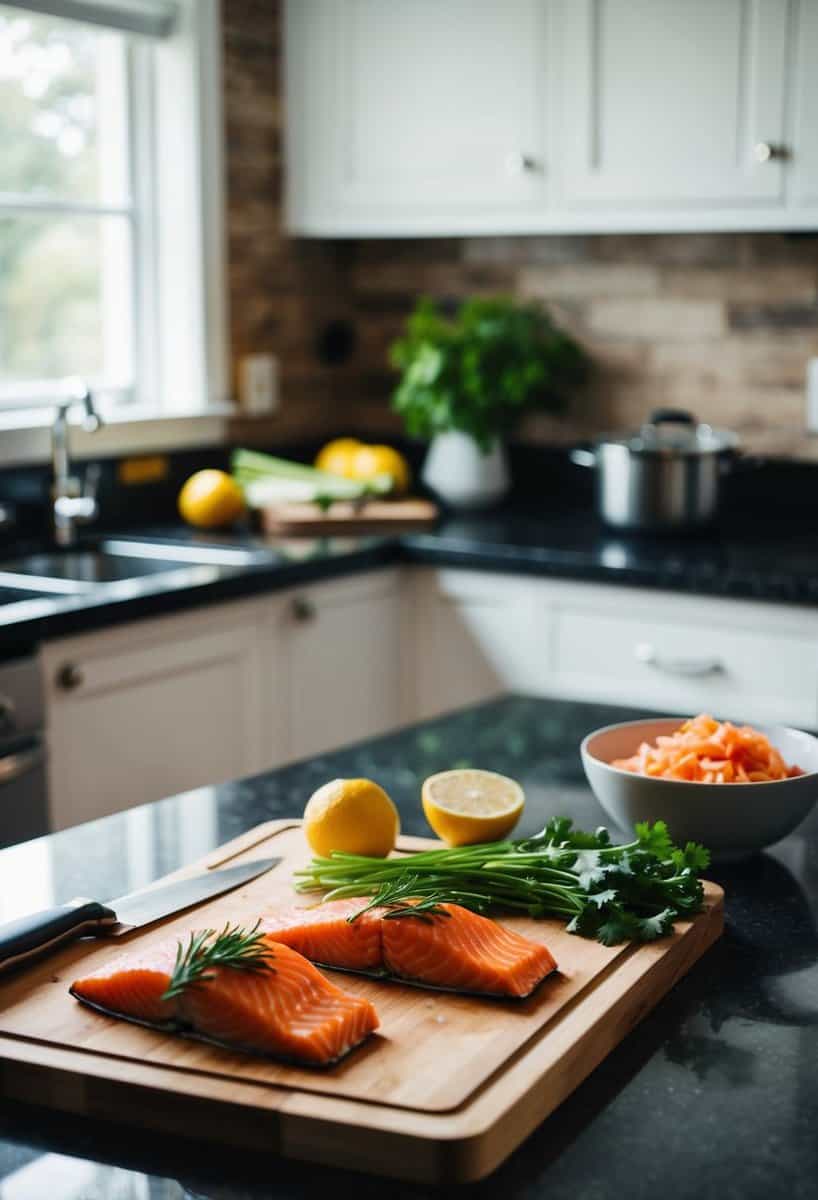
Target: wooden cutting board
x=444, y=1091
x=346, y=519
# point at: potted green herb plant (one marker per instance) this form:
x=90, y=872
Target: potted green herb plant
x=466, y=381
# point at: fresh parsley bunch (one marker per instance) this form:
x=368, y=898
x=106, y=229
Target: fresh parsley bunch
x=614, y=893
x=479, y=371
x=627, y=893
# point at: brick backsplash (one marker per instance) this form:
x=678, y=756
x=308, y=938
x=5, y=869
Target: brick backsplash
x=282, y=291
x=722, y=324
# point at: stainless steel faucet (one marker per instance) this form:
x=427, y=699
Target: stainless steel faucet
x=72, y=503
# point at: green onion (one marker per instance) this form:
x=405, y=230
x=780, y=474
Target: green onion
x=615, y=893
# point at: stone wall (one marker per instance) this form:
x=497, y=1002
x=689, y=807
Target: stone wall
x=282, y=291
x=721, y=324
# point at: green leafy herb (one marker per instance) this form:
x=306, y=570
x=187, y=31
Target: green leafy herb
x=234, y=947
x=479, y=372
x=614, y=893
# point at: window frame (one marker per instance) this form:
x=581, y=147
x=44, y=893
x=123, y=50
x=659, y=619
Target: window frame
x=135, y=210
x=180, y=347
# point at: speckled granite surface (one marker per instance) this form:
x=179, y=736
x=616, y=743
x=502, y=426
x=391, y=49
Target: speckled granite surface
x=713, y=1096
x=773, y=558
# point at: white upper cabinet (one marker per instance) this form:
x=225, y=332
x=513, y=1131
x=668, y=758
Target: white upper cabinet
x=431, y=109
x=671, y=102
x=551, y=116
x=804, y=175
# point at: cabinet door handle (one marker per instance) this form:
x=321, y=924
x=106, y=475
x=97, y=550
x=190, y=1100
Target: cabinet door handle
x=518, y=163
x=15, y=766
x=69, y=677
x=8, y=714
x=303, y=609
x=767, y=151
x=697, y=667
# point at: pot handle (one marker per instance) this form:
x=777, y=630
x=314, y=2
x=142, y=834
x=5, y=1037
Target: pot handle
x=734, y=460
x=675, y=416
x=583, y=458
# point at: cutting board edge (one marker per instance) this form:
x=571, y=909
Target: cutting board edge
x=455, y=1147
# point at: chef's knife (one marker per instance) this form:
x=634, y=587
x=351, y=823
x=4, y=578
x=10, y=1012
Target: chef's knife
x=30, y=936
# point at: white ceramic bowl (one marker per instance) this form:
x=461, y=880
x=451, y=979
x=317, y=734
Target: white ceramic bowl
x=729, y=818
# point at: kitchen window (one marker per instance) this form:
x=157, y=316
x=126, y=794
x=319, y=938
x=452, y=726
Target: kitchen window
x=111, y=214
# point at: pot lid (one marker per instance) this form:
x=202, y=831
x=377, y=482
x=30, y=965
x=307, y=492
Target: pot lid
x=674, y=431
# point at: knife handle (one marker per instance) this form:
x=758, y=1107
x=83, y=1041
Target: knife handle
x=28, y=937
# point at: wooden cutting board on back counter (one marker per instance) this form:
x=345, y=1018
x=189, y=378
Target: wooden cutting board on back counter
x=346, y=518
x=442, y=1093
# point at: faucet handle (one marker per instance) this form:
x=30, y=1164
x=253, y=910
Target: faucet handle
x=78, y=392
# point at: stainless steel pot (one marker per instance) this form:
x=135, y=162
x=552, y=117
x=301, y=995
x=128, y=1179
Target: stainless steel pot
x=665, y=477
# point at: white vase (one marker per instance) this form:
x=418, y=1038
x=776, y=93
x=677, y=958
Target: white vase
x=458, y=471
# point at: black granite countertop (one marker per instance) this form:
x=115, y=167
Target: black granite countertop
x=773, y=558
x=713, y=1096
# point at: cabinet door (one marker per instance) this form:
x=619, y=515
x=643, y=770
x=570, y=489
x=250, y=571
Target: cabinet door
x=664, y=102
x=144, y=712
x=477, y=635
x=341, y=645
x=428, y=106
x=804, y=171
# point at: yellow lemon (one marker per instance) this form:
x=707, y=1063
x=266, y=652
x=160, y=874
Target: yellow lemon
x=468, y=806
x=337, y=457
x=353, y=815
x=371, y=461
x=211, y=499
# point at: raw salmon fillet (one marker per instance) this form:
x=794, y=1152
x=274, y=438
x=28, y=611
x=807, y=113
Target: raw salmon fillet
x=323, y=933
x=464, y=951
x=461, y=950
x=291, y=1012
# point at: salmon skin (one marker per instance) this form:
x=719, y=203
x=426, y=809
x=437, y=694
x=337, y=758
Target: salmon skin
x=291, y=1013
x=452, y=950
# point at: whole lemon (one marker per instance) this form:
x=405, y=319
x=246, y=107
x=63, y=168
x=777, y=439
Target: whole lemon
x=337, y=457
x=353, y=815
x=210, y=499
x=370, y=461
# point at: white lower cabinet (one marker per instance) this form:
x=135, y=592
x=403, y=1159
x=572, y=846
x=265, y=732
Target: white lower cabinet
x=337, y=646
x=161, y=706
x=738, y=660
x=478, y=633
x=149, y=709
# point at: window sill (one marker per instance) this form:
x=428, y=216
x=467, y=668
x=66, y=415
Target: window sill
x=25, y=438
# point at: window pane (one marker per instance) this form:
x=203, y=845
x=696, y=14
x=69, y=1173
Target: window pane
x=63, y=109
x=65, y=299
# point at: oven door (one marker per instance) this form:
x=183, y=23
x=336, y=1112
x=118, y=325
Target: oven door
x=23, y=790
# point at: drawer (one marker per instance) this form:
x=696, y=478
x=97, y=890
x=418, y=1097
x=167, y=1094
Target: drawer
x=740, y=674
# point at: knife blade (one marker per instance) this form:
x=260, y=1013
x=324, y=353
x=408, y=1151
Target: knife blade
x=30, y=936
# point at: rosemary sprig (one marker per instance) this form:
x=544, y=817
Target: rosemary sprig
x=234, y=947
x=396, y=896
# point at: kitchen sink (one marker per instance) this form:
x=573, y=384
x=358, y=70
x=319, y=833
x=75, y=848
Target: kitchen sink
x=74, y=572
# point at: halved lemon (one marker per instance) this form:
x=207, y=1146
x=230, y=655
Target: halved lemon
x=467, y=805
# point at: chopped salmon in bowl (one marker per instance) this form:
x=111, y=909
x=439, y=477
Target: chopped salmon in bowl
x=732, y=786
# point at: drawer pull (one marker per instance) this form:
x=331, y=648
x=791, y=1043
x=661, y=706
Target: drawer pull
x=68, y=677
x=303, y=609
x=647, y=654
